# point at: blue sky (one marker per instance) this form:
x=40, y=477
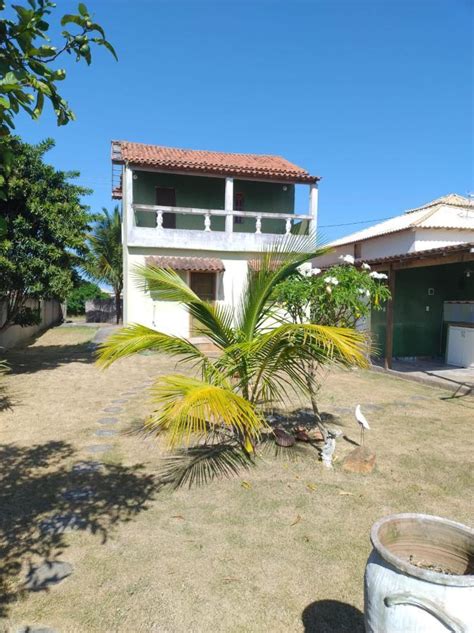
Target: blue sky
x=375, y=97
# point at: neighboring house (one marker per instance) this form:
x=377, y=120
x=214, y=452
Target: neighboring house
x=206, y=215
x=428, y=255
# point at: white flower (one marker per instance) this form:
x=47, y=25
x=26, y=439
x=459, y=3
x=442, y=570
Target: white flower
x=331, y=280
x=376, y=275
x=315, y=271
x=365, y=266
x=347, y=259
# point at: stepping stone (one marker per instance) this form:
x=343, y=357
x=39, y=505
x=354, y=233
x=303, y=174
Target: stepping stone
x=87, y=467
x=79, y=494
x=112, y=409
x=105, y=432
x=60, y=523
x=107, y=420
x=42, y=576
x=98, y=448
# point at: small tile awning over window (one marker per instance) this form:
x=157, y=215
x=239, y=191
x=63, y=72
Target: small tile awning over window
x=192, y=264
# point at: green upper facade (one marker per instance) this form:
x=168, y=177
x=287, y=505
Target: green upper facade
x=209, y=193
x=202, y=179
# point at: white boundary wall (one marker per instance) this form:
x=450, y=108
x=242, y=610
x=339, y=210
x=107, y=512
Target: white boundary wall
x=52, y=313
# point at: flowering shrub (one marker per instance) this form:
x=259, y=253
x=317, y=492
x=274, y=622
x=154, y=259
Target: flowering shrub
x=339, y=296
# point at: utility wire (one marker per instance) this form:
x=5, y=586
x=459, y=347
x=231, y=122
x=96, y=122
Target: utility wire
x=326, y=226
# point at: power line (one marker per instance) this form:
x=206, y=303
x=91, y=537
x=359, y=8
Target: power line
x=326, y=226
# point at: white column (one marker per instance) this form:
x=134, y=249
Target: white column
x=229, y=204
x=313, y=206
x=128, y=222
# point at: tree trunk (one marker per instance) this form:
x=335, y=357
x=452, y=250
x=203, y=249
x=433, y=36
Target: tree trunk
x=118, y=311
x=310, y=378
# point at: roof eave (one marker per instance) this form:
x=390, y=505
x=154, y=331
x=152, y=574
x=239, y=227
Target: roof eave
x=243, y=174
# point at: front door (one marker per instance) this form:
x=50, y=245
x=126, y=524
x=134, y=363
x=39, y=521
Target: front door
x=166, y=197
x=204, y=285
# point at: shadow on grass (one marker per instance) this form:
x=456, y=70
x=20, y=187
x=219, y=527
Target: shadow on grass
x=200, y=465
x=37, y=507
x=332, y=616
x=29, y=360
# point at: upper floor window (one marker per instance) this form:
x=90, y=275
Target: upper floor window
x=239, y=203
x=166, y=197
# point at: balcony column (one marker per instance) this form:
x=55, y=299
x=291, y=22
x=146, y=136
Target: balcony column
x=313, y=206
x=229, y=204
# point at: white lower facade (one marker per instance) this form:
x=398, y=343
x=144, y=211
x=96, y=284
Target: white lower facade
x=171, y=317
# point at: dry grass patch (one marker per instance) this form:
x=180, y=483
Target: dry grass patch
x=281, y=547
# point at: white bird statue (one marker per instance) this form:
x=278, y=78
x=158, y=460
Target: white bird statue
x=361, y=420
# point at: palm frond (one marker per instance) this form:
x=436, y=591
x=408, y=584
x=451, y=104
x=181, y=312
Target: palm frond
x=189, y=407
x=167, y=285
x=137, y=338
x=276, y=263
x=201, y=464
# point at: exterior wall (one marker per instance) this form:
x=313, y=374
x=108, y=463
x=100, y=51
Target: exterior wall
x=168, y=316
x=52, y=313
x=101, y=310
x=383, y=246
x=398, y=243
x=436, y=238
x=209, y=193
x=418, y=331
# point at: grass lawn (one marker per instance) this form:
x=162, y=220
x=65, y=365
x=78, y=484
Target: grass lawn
x=281, y=547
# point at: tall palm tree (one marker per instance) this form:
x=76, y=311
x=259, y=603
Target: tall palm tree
x=104, y=261
x=259, y=359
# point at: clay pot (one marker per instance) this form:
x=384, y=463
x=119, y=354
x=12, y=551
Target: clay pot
x=435, y=591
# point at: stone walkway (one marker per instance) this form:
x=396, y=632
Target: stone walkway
x=49, y=573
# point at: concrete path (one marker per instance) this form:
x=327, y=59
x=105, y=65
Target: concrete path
x=458, y=380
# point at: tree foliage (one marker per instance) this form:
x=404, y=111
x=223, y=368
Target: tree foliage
x=27, y=58
x=29, y=75
x=104, y=259
x=259, y=356
x=46, y=227
x=82, y=291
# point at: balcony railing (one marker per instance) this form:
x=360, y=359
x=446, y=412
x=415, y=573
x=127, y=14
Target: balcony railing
x=208, y=214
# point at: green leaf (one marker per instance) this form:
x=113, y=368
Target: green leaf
x=83, y=9
x=72, y=19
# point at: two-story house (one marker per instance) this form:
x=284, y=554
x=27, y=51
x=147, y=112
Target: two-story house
x=206, y=215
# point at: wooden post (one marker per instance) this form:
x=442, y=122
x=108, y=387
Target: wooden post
x=389, y=319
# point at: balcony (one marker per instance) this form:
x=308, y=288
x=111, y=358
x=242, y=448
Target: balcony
x=210, y=229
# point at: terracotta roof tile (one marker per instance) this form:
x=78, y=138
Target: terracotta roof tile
x=206, y=162
x=193, y=264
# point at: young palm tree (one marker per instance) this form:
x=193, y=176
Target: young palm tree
x=104, y=259
x=259, y=360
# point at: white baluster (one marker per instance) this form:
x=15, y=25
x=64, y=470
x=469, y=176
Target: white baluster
x=159, y=220
x=207, y=222
x=288, y=226
x=258, y=224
